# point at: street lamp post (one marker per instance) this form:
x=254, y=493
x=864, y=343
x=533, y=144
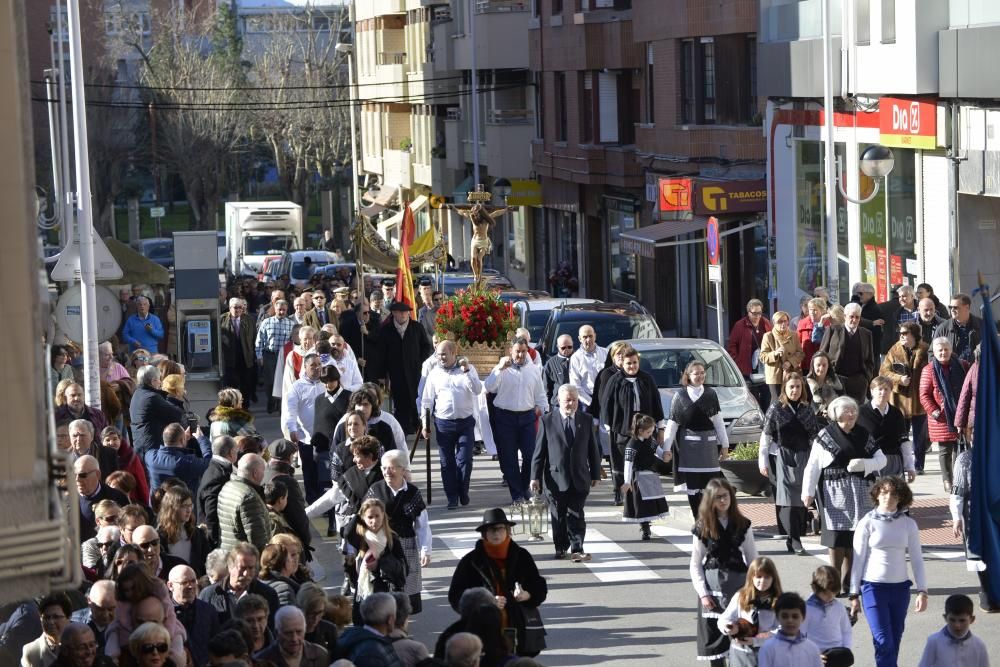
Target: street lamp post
x=348, y=50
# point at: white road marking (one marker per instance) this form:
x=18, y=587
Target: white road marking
x=610, y=563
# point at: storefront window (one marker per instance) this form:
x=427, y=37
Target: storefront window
x=621, y=218
x=889, y=230
x=563, y=279
x=811, y=212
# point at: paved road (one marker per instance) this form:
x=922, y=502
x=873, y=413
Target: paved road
x=634, y=604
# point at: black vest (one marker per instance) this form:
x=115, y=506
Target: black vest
x=327, y=415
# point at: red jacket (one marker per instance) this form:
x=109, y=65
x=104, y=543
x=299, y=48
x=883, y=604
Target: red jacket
x=129, y=462
x=932, y=400
x=741, y=342
x=965, y=411
x=804, y=329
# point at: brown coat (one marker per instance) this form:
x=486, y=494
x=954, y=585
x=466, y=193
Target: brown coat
x=906, y=398
x=774, y=364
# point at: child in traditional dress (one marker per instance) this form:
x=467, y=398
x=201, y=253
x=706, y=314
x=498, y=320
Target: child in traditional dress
x=701, y=438
x=749, y=619
x=789, y=647
x=955, y=644
x=645, y=461
x=723, y=546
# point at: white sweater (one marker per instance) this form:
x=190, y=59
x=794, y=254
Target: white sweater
x=780, y=651
x=943, y=650
x=880, y=549
x=827, y=625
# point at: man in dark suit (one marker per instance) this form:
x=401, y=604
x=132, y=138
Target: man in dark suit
x=568, y=459
x=852, y=353
x=219, y=470
x=92, y=491
x=197, y=617
x=556, y=370
x=403, y=348
x=239, y=333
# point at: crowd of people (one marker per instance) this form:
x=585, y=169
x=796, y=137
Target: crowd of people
x=197, y=543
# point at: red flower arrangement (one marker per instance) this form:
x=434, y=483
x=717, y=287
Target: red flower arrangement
x=476, y=317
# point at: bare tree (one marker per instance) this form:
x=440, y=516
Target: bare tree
x=300, y=94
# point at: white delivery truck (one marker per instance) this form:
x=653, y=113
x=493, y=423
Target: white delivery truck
x=255, y=230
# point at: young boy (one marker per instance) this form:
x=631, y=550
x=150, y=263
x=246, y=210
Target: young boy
x=788, y=647
x=955, y=644
x=276, y=498
x=827, y=624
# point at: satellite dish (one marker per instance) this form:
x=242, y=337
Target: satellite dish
x=69, y=313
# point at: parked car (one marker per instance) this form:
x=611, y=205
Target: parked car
x=341, y=271
x=159, y=250
x=666, y=358
x=453, y=282
x=611, y=322
x=299, y=271
x=534, y=313
x=515, y=295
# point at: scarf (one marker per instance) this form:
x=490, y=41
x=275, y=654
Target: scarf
x=498, y=552
x=878, y=515
x=376, y=546
x=782, y=338
x=949, y=380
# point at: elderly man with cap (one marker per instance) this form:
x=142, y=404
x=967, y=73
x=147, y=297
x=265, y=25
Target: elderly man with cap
x=388, y=292
x=450, y=398
x=281, y=468
x=297, y=417
x=379, y=308
x=197, y=616
x=99, y=612
x=91, y=491
x=403, y=348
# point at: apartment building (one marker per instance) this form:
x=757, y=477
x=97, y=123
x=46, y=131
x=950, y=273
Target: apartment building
x=699, y=143
x=913, y=76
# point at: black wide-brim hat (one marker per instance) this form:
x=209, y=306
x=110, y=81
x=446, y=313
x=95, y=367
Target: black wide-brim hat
x=493, y=517
x=400, y=306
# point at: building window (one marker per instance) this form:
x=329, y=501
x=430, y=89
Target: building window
x=560, y=93
x=587, y=109
x=539, y=107
x=557, y=7
x=621, y=216
x=752, y=108
x=888, y=21
x=607, y=101
x=862, y=29
x=650, y=110
x=708, y=79
x=688, y=95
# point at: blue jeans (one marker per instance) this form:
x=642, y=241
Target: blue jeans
x=455, y=440
x=920, y=443
x=515, y=432
x=885, y=608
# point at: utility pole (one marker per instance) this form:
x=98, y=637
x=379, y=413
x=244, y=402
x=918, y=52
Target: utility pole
x=832, y=250
x=84, y=210
x=475, y=94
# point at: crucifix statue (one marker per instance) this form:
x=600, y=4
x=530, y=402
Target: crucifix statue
x=482, y=224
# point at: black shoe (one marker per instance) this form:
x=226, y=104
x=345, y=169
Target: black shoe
x=618, y=497
x=464, y=500
x=796, y=547
x=788, y=546
x=560, y=555
x=644, y=531
x=331, y=531
x=452, y=505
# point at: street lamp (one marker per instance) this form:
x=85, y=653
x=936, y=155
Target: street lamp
x=876, y=163
x=348, y=50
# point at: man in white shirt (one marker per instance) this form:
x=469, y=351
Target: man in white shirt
x=586, y=363
x=298, y=414
x=350, y=374
x=520, y=400
x=450, y=396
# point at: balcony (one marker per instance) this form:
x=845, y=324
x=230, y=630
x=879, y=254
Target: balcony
x=454, y=133
x=390, y=76
x=501, y=6
x=398, y=165
x=366, y=9
x=425, y=80
x=501, y=41
x=587, y=165
x=371, y=164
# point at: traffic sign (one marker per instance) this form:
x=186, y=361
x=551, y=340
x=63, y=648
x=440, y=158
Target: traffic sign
x=712, y=239
x=715, y=273
x=157, y=212
x=68, y=266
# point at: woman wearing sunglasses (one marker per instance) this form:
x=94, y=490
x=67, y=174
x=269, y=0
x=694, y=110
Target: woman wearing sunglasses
x=149, y=646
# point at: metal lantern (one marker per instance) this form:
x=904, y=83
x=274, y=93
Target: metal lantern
x=537, y=520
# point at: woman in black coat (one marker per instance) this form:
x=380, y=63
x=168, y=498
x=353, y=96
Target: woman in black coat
x=507, y=570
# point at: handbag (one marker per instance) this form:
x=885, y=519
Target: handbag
x=532, y=641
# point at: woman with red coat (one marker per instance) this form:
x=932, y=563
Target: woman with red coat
x=940, y=388
x=128, y=462
x=744, y=348
x=810, y=330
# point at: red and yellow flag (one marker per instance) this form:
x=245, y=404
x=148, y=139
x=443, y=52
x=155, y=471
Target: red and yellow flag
x=404, y=277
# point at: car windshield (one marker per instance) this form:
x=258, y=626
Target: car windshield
x=267, y=245
x=609, y=327
x=163, y=250
x=666, y=366
x=536, y=320
x=301, y=271
x=221, y=240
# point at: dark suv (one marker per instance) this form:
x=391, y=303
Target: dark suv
x=611, y=322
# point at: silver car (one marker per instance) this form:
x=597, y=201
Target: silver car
x=666, y=358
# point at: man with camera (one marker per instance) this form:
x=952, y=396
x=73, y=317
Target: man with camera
x=174, y=460
x=451, y=397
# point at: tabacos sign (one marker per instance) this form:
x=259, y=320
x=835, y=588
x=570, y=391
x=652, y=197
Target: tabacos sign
x=907, y=123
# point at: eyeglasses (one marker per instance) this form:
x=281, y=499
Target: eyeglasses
x=565, y=347
x=158, y=648
x=146, y=546
x=105, y=545
x=904, y=333
x=756, y=313
x=84, y=474
x=954, y=306
x=89, y=646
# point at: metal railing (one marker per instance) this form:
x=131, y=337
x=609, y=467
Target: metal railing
x=391, y=58
x=509, y=116
x=501, y=6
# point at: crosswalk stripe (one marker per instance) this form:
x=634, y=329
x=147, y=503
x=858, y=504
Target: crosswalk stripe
x=610, y=563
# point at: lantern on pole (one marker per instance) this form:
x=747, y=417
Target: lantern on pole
x=537, y=520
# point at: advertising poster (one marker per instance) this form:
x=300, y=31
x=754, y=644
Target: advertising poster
x=896, y=270
x=882, y=283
